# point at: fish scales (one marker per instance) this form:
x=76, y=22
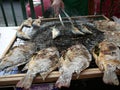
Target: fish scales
x=43, y=63
x=107, y=58
x=76, y=59
x=17, y=56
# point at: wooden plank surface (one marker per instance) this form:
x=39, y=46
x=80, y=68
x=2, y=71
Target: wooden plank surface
x=7, y=37
x=13, y=79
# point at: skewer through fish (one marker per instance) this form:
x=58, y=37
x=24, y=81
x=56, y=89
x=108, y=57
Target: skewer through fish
x=107, y=58
x=76, y=59
x=17, y=56
x=44, y=62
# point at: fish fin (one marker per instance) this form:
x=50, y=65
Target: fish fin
x=76, y=31
x=12, y=67
x=110, y=76
x=64, y=80
x=45, y=74
x=115, y=18
x=26, y=67
x=26, y=81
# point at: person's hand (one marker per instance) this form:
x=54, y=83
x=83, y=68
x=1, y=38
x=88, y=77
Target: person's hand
x=57, y=4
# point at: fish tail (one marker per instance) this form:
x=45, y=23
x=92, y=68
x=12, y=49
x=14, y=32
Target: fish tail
x=26, y=82
x=110, y=76
x=64, y=80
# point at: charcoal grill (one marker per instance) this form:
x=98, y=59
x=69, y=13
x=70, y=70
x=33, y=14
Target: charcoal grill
x=43, y=39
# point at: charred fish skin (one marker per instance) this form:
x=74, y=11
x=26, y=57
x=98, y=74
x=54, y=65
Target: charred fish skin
x=76, y=59
x=107, y=57
x=44, y=62
x=17, y=56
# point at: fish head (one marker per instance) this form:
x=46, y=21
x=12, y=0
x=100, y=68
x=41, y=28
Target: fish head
x=20, y=34
x=28, y=22
x=36, y=22
x=107, y=46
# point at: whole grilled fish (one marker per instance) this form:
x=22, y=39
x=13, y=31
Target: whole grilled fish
x=76, y=59
x=17, y=56
x=107, y=57
x=44, y=62
x=107, y=25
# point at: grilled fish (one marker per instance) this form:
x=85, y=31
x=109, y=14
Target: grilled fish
x=17, y=56
x=107, y=25
x=26, y=23
x=44, y=62
x=76, y=59
x=107, y=58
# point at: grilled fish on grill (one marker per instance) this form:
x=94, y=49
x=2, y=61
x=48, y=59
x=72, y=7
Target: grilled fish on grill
x=17, y=56
x=107, y=25
x=45, y=61
x=107, y=57
x=76, y=59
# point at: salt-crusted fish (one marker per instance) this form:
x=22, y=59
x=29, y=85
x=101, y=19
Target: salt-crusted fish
x=17, y=56
x=76, y=59
x=107, y=25
x=26, y=23
x=107, y=57
x=44, y=62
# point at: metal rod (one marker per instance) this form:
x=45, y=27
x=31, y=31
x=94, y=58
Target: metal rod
x=14, y=16
x=42, y=4
x=4, y=16
x=68, y=17
x=23, y=9
x=61, y=20
x=32, y=9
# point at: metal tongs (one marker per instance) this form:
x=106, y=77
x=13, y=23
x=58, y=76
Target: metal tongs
x=74, y=29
